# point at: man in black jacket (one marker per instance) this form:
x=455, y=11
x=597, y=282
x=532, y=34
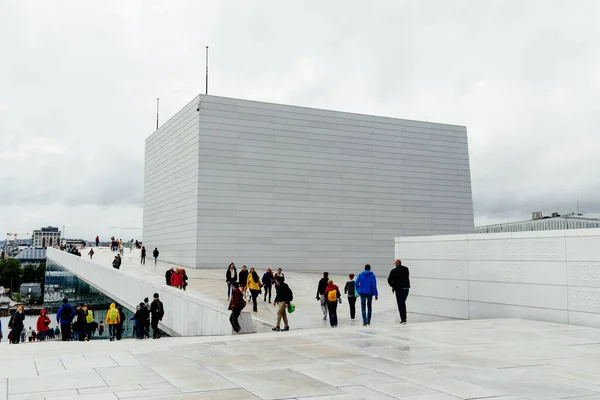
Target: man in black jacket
x=243, y=275
x=321, y=294
x=157, y=312
x=284, y=298
x=168, y=274
x=400, y=283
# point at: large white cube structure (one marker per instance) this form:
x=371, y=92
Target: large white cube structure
x=270, y=185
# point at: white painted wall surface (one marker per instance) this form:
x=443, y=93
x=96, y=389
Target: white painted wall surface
x=545, y=275
x=171, y=188
x=186, y=314
x=304, y=189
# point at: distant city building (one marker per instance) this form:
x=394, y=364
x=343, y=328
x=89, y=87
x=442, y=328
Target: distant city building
x=73, y=243
x=31, y=256
x=541, y=223
x=48, y=236
x=31, y=288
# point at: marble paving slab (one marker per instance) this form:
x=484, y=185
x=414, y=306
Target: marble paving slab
x=454, y=360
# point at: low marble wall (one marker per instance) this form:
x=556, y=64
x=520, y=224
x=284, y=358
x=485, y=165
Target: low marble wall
x=547, y=275
x=186, y=313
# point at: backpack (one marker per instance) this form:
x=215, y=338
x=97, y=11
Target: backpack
x=113, y=315
x=332, y=295
x=66, y=313
x=160, y=311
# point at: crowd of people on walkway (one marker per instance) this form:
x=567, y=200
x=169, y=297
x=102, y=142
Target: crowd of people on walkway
x=79, y=324
x=177, y=278
x=246, y=284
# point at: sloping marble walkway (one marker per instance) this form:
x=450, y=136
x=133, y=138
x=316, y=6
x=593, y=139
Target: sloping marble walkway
x=485, y=359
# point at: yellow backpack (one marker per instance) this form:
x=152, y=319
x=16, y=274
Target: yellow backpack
x=332, y=295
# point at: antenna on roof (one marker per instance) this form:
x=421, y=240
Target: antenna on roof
x=206, y=86
x=157, y=100
x=578, y=207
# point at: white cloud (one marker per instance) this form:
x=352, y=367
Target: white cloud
x=79, y=84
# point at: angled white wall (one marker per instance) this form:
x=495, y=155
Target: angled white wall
x=300, y=188
x=185, y=313
x=171, y=188
x=545, y=275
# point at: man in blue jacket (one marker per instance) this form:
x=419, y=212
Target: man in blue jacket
x=64, y=316
x=366, y=286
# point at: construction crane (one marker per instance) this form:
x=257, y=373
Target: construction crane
x=125, y=227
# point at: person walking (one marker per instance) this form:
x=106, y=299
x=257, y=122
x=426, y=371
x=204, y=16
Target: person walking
x=184, y=279
x=280, y=274
x=42, y=325
x=17, y=324
x=91, y=253
x=147, y=323
x=101, y=328
x=113, y=319
x=236, y=305
x=97, y=241
x=143, y=259
x=243, y=275
x=366, y=286
x=230, y=276
x=90, y=324
x=284, y=298
x=168, y=275
x=332, y=294
x=141, y=316
x=157, y=312
x=131, y=245
x=29, y=335
x=253, y=285
x=64, y=316
x=399, y=281
x=321, y=294
x=122, y=319
x=80, y=324
x=155, y=254
x=176, y=279
x=350, y=289
x=267, y=281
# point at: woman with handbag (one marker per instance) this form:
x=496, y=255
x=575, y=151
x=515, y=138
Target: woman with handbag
x=253, y=283
x=16, y=323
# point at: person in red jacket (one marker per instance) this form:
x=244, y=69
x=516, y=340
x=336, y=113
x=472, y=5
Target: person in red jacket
x=43, y=325
x=236, y=305
x=332, y=296
x=176, y=279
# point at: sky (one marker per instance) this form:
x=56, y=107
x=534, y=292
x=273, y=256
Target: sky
x=79, y=82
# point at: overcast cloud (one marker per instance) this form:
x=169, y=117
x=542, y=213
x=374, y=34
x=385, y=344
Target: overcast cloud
x=79, y=81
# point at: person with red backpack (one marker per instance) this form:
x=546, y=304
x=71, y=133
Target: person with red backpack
x=236, y=305
x=332, y=294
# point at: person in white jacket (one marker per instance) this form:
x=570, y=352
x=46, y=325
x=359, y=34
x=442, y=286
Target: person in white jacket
x=29, y=334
